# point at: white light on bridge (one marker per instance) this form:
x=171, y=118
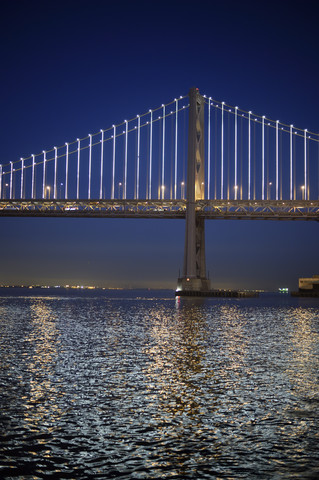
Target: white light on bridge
x=55, y=172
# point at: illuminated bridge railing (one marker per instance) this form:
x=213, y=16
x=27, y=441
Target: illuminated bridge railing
x=169, y=209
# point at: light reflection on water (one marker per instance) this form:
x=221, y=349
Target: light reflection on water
x=156, y=387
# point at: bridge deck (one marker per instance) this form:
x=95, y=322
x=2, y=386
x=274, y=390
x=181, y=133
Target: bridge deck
x=208, y=209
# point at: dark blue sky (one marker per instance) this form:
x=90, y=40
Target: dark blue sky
x=73, y=67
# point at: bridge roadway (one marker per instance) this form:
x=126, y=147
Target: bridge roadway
x=208, y=209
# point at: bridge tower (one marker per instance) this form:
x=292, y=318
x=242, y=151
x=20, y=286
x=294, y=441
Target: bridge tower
x=194, y=270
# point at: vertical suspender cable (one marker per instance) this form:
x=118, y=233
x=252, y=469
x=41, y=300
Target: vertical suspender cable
x=305, y=166
x=280, y=163
x=0, y=181
x=32, y=184
x=215, y=157
x=138, y=156
x=125, y=163
x=176, y=130
x=113, y=163
x=228, y=156
x=235, y=153
x=308, y=170
x=55, y=172
x=249, y=155
x=163, y=154
x=208, y=151
x=66, y=170
x=11, y=177
x=90, y=167
x=277, y=161
x=78, y=170
x=151, y=148
x=254, y=158
x=290, y=148
x=222, y=156
x=22, y=175
x=263, y=159
x=294, y=166
x=101, y=171
x=43, y=180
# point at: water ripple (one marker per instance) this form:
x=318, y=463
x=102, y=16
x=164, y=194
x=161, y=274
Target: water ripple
x=157, y=388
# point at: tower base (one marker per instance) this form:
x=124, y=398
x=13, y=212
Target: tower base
x=188, y=284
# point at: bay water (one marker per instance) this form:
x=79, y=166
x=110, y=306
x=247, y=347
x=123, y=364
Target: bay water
x=143, y=385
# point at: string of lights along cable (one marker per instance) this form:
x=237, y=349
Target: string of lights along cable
x=248, y=157
x=251, y=157
x=144, y=157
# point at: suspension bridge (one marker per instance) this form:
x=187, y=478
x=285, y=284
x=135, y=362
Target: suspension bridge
x=194, y=158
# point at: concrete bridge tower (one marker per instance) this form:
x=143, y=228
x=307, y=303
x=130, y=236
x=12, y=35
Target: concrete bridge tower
x=194, y=269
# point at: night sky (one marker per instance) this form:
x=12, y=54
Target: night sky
x=73, y=67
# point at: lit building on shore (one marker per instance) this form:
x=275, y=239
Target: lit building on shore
x=309, y=284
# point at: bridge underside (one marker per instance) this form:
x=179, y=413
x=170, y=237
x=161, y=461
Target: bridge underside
x=205, y=209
